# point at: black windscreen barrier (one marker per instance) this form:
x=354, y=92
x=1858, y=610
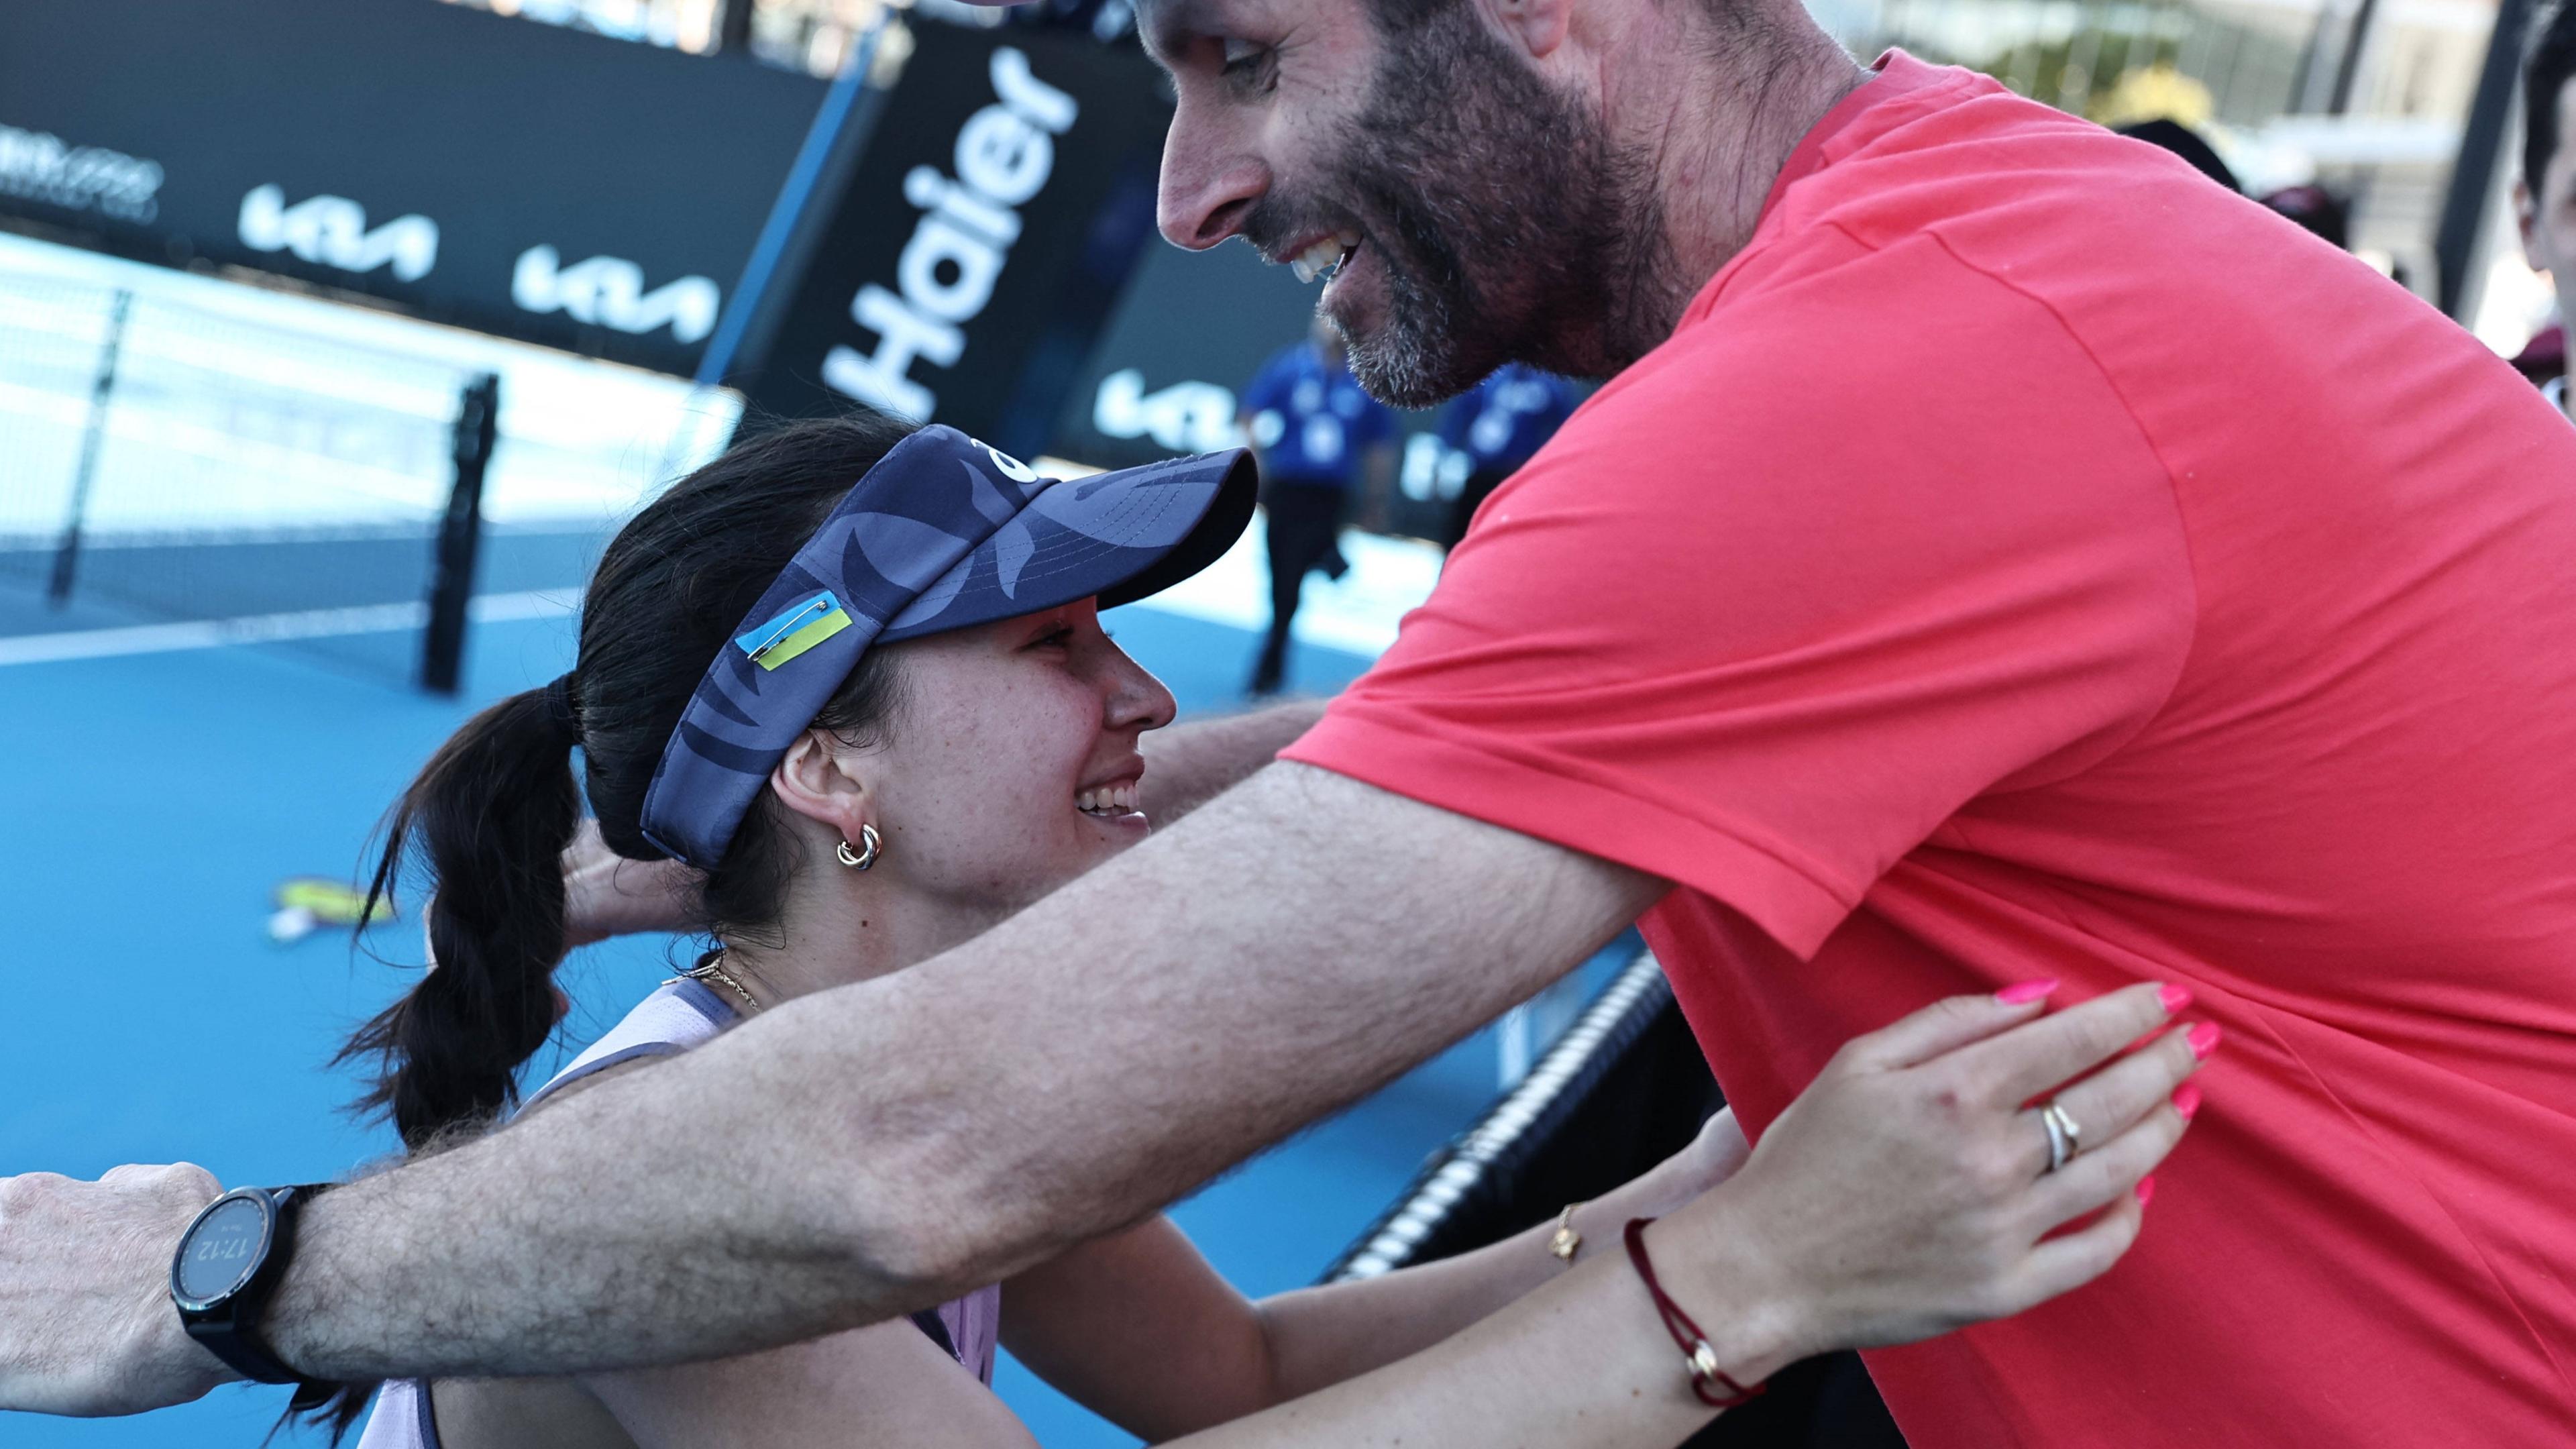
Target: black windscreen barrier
x=962, y=270
x=523, y=180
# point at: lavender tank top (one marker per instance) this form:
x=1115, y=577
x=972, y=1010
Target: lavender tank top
x=681, y=1015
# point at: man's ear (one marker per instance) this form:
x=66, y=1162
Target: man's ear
x=812, y=780
x=1537, y=26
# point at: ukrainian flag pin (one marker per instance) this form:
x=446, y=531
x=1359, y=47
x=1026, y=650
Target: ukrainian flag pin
x=793, y=632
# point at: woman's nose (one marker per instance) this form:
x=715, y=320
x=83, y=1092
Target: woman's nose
x=1137, y=700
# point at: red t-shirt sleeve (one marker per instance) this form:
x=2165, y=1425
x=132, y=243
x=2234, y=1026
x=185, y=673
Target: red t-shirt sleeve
x=1789, y=593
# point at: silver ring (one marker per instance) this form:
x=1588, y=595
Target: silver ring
x=2065, y=1139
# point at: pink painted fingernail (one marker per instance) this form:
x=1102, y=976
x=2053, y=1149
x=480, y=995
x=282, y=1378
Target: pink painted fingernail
x=2186, y=1100
x=2023, y=993
x=2146, y=1190
x=2175, y=998
x=2204, y=1039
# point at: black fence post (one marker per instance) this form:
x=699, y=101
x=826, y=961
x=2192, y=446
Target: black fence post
x=58, y=589
x=460, y=536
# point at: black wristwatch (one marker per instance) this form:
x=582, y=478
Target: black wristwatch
x=227, y=1265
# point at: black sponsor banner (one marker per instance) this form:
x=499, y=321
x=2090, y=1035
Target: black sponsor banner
x=519, y=179
x=1173, y=361
x=963, y=269
x=1191, y=330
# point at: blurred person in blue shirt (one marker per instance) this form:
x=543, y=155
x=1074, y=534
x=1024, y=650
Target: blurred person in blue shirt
x=1317, y=436
x=1498, y=427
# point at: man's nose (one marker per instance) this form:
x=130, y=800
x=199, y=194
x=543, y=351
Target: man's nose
x=1207, y=187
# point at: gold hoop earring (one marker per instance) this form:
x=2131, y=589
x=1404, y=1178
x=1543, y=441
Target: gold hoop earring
x=863, y=858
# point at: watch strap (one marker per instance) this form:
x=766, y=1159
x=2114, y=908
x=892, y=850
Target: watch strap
x=240, y=1352
x=231, y=1332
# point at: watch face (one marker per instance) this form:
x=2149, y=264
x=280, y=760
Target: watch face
x=219, y=1256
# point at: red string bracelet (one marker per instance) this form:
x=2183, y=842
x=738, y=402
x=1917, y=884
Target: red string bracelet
x=1697, y=1356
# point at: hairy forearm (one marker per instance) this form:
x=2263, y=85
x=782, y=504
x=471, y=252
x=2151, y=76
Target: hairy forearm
x=580, y=1238
x=880, y=1147
x=1188, y=765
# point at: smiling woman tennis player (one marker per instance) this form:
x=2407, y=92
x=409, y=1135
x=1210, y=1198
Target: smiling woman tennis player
x=878, y=717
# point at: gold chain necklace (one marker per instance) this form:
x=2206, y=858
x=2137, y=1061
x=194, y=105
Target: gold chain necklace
x=710, y=967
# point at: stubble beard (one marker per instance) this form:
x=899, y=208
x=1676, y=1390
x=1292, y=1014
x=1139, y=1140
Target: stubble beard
x=1508, y=225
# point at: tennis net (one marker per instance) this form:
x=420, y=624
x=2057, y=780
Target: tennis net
x=161, y=463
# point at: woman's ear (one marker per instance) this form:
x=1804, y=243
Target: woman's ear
x=813, y=780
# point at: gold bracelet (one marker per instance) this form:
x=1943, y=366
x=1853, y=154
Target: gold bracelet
x=1567, y=1241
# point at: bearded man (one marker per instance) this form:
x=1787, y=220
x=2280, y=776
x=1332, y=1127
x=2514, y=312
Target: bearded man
x=1998, y=553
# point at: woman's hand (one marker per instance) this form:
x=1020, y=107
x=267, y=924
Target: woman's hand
x=1907, y=1191
x=1711, y=1158
x=605, y=894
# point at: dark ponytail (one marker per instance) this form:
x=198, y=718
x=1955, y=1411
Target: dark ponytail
x=491, y=815
x=493, y=811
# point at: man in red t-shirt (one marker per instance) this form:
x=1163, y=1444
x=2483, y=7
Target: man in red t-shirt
x=1966, y=593
x=2026, y=558
x=1999, y=554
